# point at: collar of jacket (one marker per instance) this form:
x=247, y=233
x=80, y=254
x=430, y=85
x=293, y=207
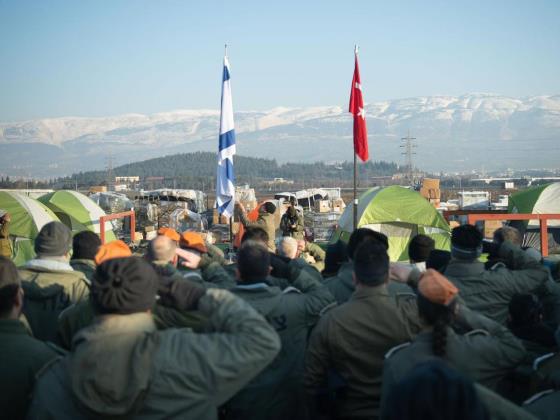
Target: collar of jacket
x=13, y=326
x=459, y=268
x=40, y=264
x=85, y=261
x=365, y=292
x=252, y=286
x=141, y=322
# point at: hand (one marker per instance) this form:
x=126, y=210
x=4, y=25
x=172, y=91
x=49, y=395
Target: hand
x=399, y=272
x=181, y=294
x=188, y=258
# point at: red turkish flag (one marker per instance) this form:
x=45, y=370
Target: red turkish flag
x=357, y=109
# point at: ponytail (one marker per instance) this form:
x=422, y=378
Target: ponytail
x=439, y=317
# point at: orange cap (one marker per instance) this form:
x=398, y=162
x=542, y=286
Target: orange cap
x=436, y=288
x=170, y=233
x=193, y=240
x=114, y=249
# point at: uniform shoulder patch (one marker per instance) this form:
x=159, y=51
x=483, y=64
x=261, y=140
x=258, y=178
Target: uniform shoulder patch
x=47, y=366
x=477, y=332
x=538, y=396
x=396, y=349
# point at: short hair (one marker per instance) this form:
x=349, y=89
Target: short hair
x=335, y=256
x=8, y=298
x=420, y=247
x=371, y=263
x=433, y=390
x=255, y=234
x=161, y=248
x=438, y=260
x=509, y=234
x=269, y=207
x=466, y=237
x=253, y=262
x=363, y=234
x=85, y=245
x=287, y=247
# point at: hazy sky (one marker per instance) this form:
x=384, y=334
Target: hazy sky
x=95, y=58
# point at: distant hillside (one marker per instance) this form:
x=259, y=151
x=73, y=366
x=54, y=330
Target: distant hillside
x=189, y=169
x=454, y=133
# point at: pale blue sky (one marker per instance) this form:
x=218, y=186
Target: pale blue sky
x=95, y=58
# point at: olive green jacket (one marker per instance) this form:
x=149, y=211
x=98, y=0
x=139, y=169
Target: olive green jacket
x=5, y=244
x=47, y=293
x=317, y=253
x=265, y=221
x=22, y=356
x=490, y=291
x=350, y=342
x=134, y=371
x=485, y=355
x=84, y=266
x=81, y=315
x=545, y=406
x=277, y=392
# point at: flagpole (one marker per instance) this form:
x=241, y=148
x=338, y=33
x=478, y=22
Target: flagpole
x=355, y=206
x=230, y=217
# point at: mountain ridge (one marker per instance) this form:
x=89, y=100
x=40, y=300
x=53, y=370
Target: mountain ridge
x=468, y=130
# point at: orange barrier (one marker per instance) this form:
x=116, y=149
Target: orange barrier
x=114, y=216
x=542, y=218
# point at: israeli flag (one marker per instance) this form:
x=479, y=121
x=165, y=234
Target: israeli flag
x=225, y=189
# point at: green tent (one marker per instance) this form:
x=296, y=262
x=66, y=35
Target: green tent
x=398, y=212
x=28, y=217
x=77, y=211
x=542, y=199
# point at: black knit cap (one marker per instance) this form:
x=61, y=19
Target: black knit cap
x=8, y=272
x=124, y=286
x=54, y=240
x=420, y=247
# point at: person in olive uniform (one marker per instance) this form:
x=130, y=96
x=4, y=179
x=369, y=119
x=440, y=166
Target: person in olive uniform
x=350, y=341
x=277, y=392
x=291, y=223
x=136, y=371
x=490, y=291
x=50, y=283
x=84, y=247
x=21, y=355
x=5, y=244
x=265, y=221
x=486, y=354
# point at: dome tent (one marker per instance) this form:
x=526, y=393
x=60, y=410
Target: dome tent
x=543, y=199
x=77, y=211
x=398, y=212
x=28, y=217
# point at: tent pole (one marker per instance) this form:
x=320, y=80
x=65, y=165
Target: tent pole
x=355, y=206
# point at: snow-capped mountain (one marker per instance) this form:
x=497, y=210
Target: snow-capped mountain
x=470, y=131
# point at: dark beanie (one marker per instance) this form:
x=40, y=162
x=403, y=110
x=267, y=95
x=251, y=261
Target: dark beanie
x=420, y=247
x=53, y=240
x=124, y=286
x=438, y=260
x=466, y=242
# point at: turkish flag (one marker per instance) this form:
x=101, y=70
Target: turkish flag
x=357, y=109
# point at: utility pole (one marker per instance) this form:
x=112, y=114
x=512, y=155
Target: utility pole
x=408, y=152
x=110, y=178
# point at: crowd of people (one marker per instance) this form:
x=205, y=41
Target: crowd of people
x=286, y=331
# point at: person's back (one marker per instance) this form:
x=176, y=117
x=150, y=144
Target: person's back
x=486, y=354
x=5, y=244
x=353, y=338
x=490, y=291
x=277, y=392
x=121, y=366
x=22, y=355
x=49, y=282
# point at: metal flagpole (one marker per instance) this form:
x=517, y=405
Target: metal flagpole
x=355, y=206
